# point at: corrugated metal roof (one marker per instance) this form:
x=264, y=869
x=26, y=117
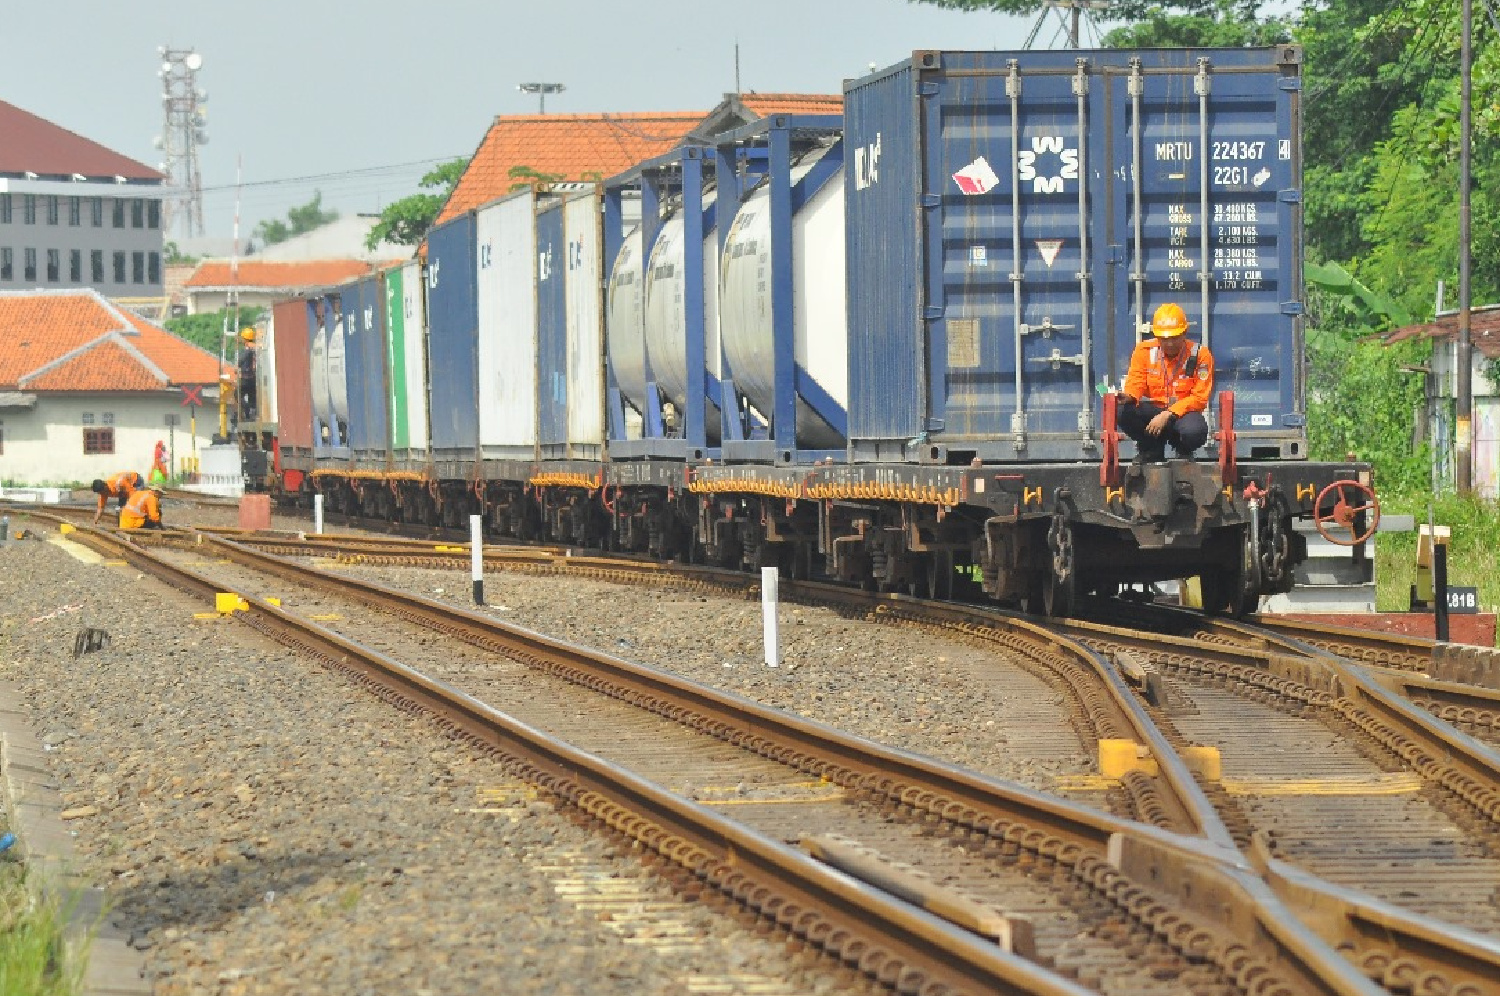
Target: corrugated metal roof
x=35, y=145
x=1484, y=330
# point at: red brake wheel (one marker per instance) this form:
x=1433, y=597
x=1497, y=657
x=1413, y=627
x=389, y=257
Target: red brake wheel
x=1344, y=512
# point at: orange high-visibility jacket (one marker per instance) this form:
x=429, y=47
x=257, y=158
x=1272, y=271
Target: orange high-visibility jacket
x=1182, y=386
x=120, y=485
x=141, y=508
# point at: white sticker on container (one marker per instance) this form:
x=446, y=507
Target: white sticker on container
x=976, y=178
x=1049, y=249
x=979, y=256
x=1262, y=420
x=1284, y=149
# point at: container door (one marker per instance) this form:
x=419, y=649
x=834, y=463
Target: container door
x=452, y=330
x=356, y=360
x=551, y=331
x=376, y=382
x=585, y=320
x=394, y=302
x=1205, y=214
x=414, y=319
x=507, y=327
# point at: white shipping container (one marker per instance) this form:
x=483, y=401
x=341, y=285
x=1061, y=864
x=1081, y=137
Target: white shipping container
x=585, y=323
x=414, y=310
x=505, y=233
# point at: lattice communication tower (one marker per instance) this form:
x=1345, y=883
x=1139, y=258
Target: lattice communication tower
x=184, y=129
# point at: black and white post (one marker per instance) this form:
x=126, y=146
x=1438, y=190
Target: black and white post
x=769, y=592
x=476, y=557
x=318, y=513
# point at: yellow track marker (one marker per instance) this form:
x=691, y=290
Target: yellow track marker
x=1392, y=783
x=326, y=617
x=1083, y=783
x=228, y=601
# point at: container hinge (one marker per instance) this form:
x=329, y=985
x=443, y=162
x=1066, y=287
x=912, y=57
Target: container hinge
x=1046, y=328
x=932, y=200
x=1018, y=430
x=1291, y=196
x=1057, y=359
x=932, y=313
x=1086, y=427
x=1293, y=83
x=1136, y=85
x=928, y=90
x=1081, y=79
x=1013, y=81
x=1083, y=275
x=1201, y=86
x=1291, y=307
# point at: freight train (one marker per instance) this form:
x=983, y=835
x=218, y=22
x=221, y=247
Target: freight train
x=881, y=347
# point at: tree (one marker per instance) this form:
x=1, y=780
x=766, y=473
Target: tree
x=299, y=220
x=405, y=222
x=207, y=329
x=1163, y=23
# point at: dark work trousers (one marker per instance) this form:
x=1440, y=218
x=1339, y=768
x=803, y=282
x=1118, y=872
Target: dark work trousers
x=1186, y=434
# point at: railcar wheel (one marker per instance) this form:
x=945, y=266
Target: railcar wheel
x=1234, y=590
x=1060, y=591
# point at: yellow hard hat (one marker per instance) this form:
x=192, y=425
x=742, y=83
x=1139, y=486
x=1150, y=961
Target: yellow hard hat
x=247, y=334
x=1169, y=321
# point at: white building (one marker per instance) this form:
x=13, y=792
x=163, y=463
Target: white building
x=88, y=389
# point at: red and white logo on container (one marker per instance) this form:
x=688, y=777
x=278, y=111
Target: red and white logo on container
x=976, y=178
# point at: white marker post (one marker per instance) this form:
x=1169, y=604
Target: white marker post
x=318, y=514
x=476, y=557
x=769, y=580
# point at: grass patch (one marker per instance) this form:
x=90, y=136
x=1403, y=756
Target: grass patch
x=1473, y=551
x=35, y=959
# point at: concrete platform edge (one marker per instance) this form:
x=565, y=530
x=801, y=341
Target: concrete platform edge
x=34, y=806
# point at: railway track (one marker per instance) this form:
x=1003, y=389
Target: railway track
x=1055, y=841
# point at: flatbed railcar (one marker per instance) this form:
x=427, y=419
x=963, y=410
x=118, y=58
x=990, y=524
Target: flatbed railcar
x=880, y=347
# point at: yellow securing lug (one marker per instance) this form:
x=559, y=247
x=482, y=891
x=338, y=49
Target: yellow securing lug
x=1118, y=758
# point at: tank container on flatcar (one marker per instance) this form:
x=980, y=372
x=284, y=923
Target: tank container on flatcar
x=584, y=378
x=338, y=369
x=626, y=322
x=665, y=301
x=318, y=365
x=452, y=343
x=366, y=351
x=813, y=288
x=1014, y=219
x=506, y=250
x=293, y=365
x=406, y=348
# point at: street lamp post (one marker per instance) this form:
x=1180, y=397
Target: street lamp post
x=541, y=90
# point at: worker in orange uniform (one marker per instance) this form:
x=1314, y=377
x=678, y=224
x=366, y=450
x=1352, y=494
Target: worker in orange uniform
x=120, y=486
x=143, y=509
x=1167, y=389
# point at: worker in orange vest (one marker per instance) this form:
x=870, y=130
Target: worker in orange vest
x=1167, y=389
x=119, y=486
x=143, y=509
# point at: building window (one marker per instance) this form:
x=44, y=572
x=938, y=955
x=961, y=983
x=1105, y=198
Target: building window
x=54, y=266
x=96, y=211
x=137, y=213
x=51, y=209
x=7, y=264
x=75, y=210
x=138, y=267
x=98, y=441
x=108, y=418
x=75, y=266
x=96, y=266
x=119, y=267
x=119, y=212
x=153, y=268
x=88, y=418
x=153, y=214
x=28, y=208
x=4, y=209
x=2, y=442
x=29, y=271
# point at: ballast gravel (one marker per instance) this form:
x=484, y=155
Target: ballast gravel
x=264, y=828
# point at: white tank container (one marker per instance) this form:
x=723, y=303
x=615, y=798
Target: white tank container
x=820, y=326
x=666, y=315
x=338, y=377
x=625, y=322
x=318, y=371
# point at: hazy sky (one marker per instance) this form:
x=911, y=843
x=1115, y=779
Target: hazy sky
x=343, y=93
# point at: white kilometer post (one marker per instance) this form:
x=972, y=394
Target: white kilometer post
x=318, y=514
x=476, y=558
x=768, y=594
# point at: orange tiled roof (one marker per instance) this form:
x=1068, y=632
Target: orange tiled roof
x=78, y=341
x=573, y=146
x=275, y=274
x=766, y=104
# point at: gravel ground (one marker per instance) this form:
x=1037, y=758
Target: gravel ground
x=263, y=829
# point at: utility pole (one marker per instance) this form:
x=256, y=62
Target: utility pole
x=541, y=90
x=1463, y=445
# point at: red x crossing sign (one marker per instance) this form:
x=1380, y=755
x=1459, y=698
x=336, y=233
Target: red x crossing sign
x=192, y=396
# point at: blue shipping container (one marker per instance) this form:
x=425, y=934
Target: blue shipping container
x=552, y=331
x=1014, y=218
x=365, y=345
x=453, y=337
